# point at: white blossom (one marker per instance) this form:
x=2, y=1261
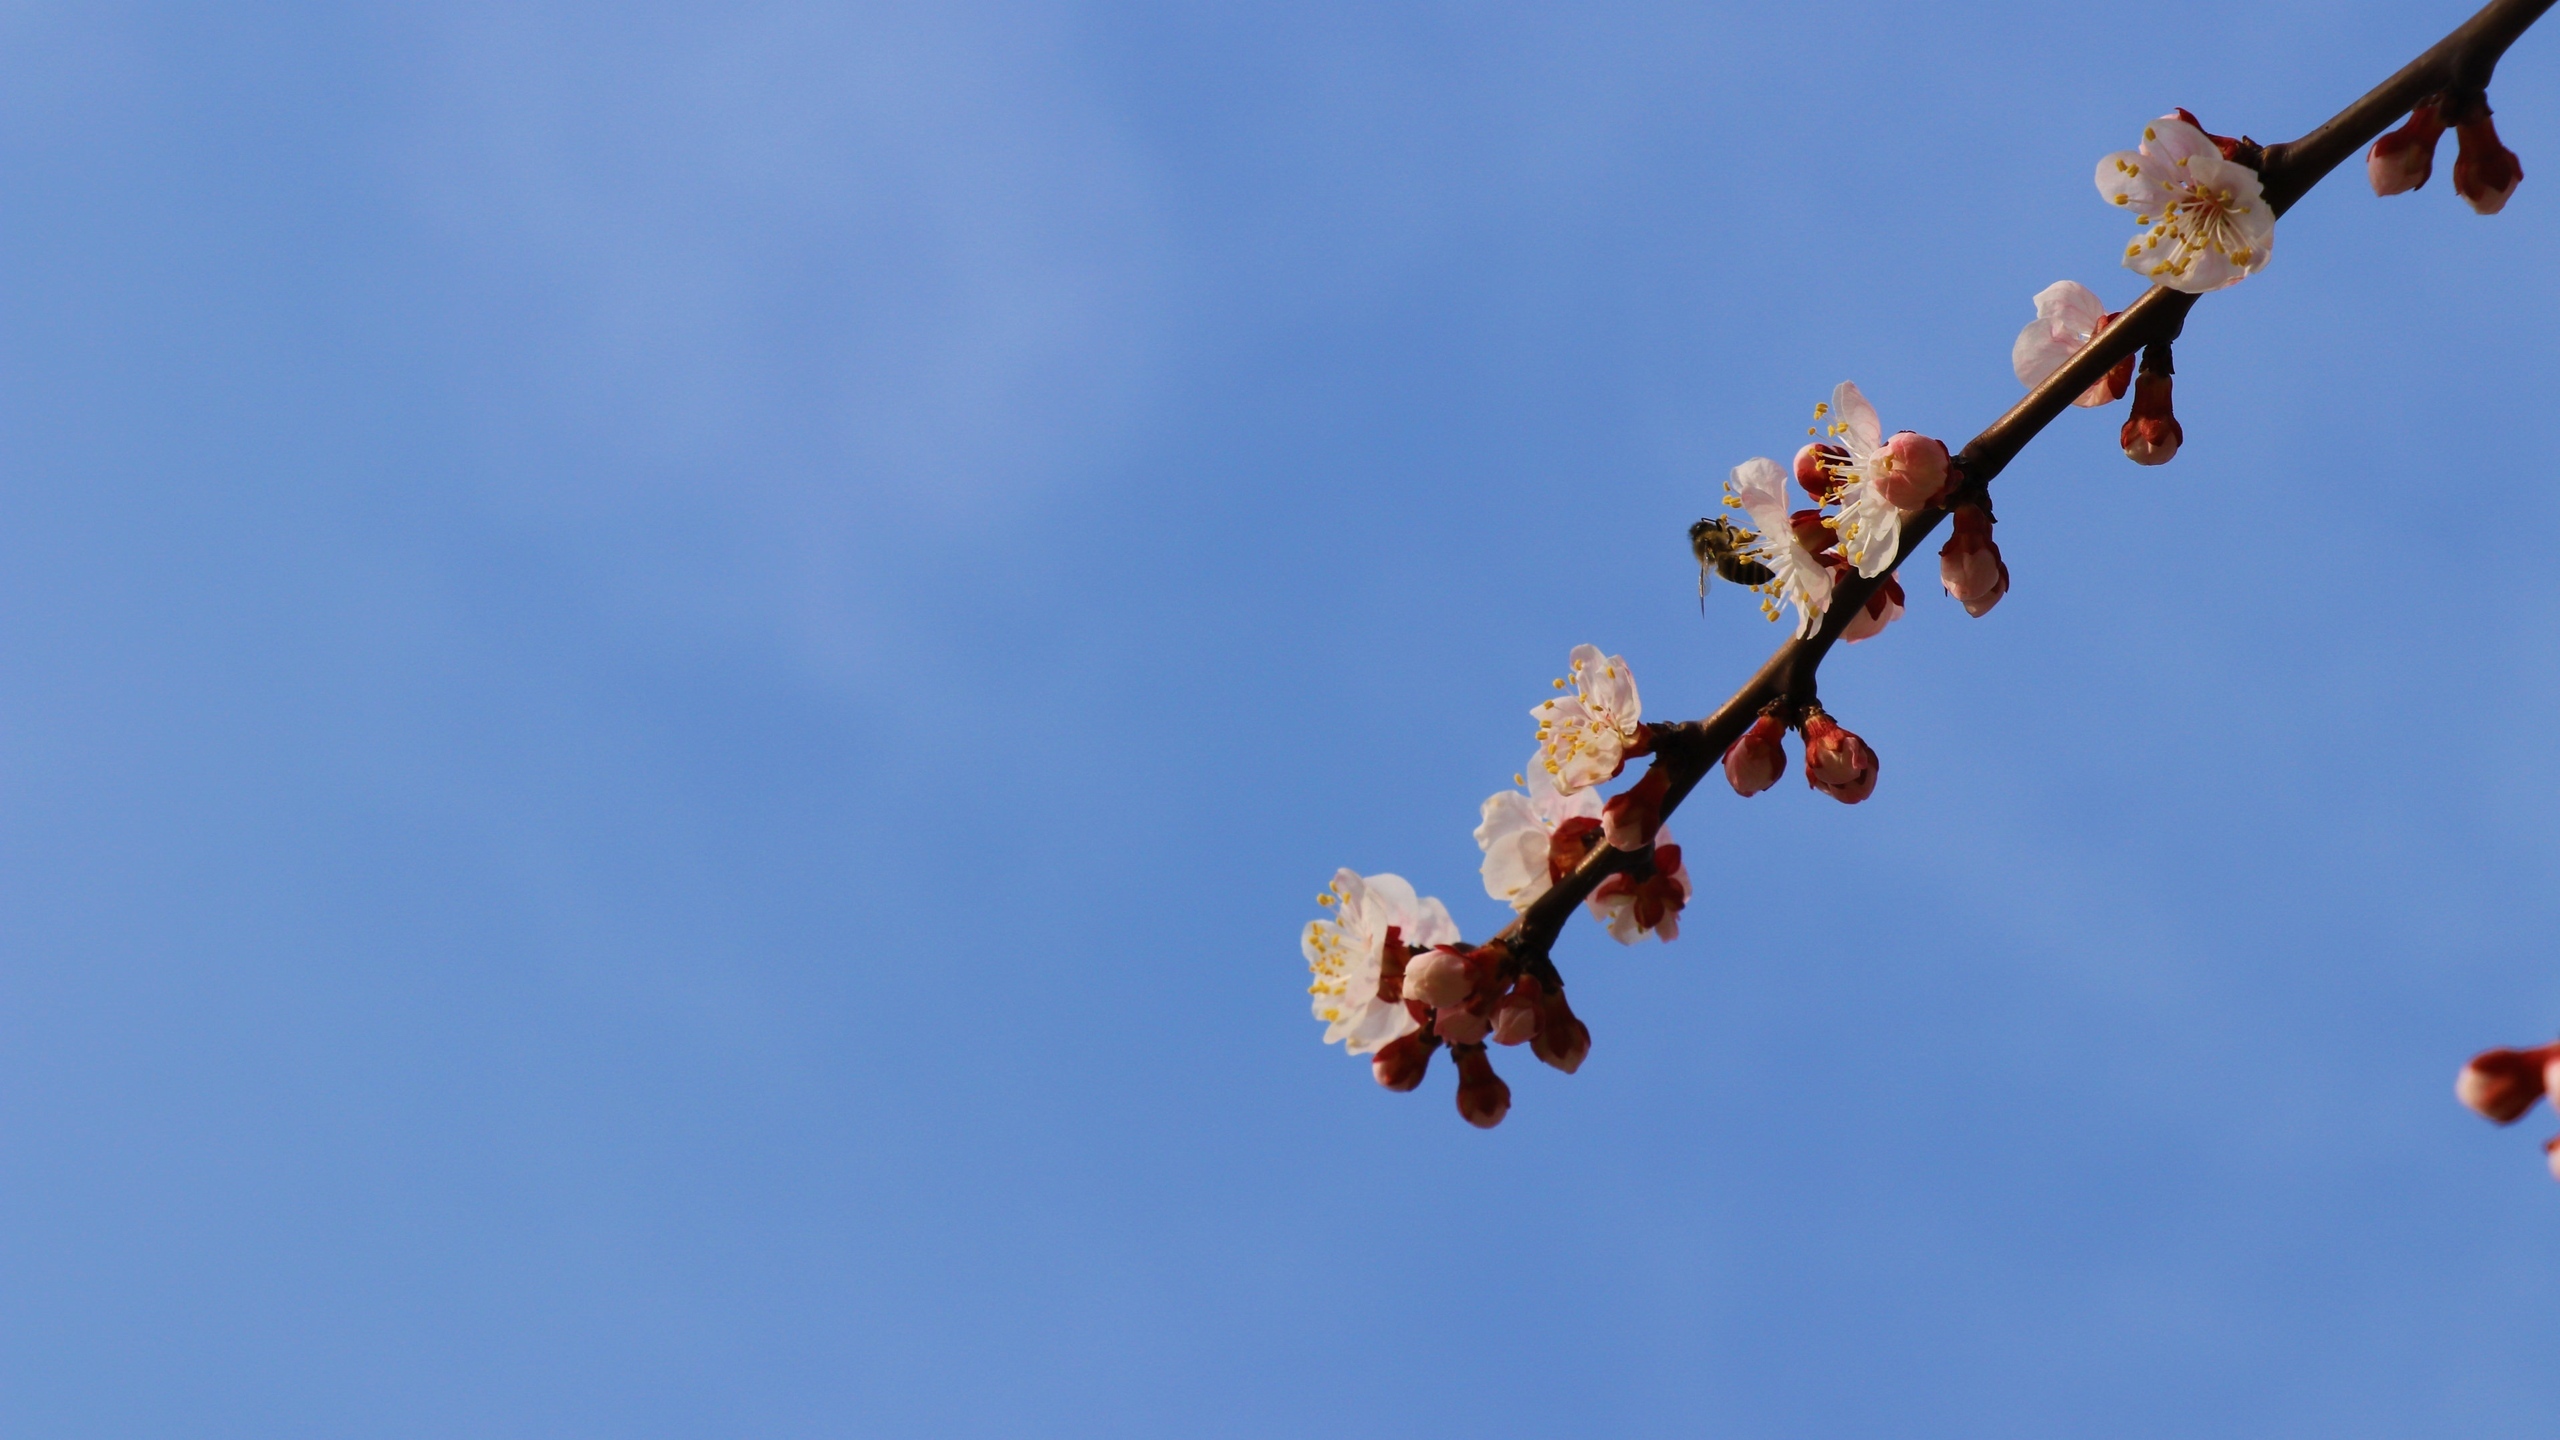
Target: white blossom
x=2207, y=224
x=1881, y=478
x=2068, y=317
x=1583, y=737
x=1518, y=833
x=1798, y=576
x=1345, y=951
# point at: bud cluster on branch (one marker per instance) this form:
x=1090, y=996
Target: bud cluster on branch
x=1394, y=981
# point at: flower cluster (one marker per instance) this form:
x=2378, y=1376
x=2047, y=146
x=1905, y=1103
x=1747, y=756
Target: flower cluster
x=2503, y=1084
x=1836, y=761
x=2485, y=171
x=1876, y=482
x=1392, y=978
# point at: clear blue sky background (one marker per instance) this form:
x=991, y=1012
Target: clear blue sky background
x=673, y=678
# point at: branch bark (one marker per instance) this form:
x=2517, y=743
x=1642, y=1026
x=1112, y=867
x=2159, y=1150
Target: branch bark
x=2460, y=64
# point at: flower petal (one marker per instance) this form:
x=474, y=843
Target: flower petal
x=1850, y=408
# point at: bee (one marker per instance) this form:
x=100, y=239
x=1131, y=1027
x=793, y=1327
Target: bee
x=1718, y=544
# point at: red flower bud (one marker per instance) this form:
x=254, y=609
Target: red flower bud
x=2151, y=435
x=1576, y=838
x=2402, y=160
x=1482, y=1097
x=1969, y=564
x=1631, y=817
x=2503, y=1084
x=1814, y=469
x=2485, y=171
x=1837, y=762
x=1562, y=1039
x=1400, y=1063
x=2551, y=1155
x=1757, y=760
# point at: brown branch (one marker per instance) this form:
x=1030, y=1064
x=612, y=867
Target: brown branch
x=2459, y=64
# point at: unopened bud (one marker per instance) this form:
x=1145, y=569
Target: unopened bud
x=1837, y=762
x=1757, y=760
x=1482, y=1097
x=2151, y=435
x=2485, y=171
x=1969, y=564
x=2503, y=1084
x=1439, y=977
x=1915, y=470
x=1562, y=1039
x=1461, y=1024
x=1815, y=469
x=2551, y=1155
x=2402, y=160
x=1515, y=1020
x=1631, y=817
x=1883, y=607
x=1400, y=1063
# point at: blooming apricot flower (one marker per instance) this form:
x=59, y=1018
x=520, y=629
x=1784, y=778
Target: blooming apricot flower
x=1583, y=738
x=1523, y=835
x=2209, y=223
x=1878, y=480
x=2068, y=317
x=1797, y=575
x=1372, y=916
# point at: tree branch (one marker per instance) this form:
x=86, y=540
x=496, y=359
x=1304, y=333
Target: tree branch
x=2460, y=64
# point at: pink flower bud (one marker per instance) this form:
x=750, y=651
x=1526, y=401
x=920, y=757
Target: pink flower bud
x=1439, y=977
x=1837, y=762
x=2151, y=435
x=1815, y=469
x=1630, y=818
x=2485, y=171
x=1482, y=1097
x=2402, y=160
x=1883, y=607
x=2503, y=1084
x=1562, y=1039
x=1969, y=564
x=1915, y=470
x=1757, y=760
x=1461, y=1024
x=1515, y=1019
x=2551, y=1155
x=1400, y=1063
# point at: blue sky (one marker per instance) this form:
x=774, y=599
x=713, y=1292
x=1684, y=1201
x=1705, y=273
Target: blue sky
x=673, y=678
